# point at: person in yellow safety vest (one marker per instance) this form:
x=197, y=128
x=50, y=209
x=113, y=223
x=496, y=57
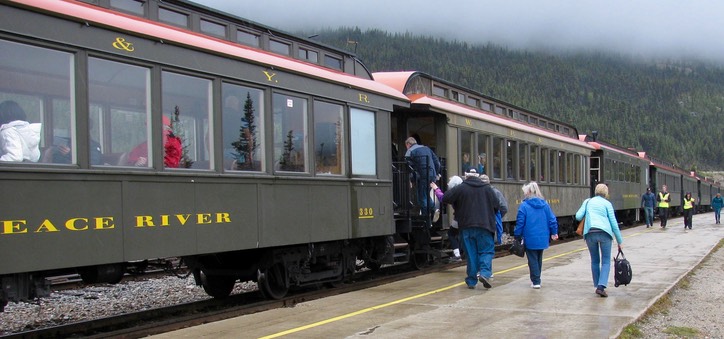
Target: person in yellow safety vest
x=688, y=210
x=664, y=198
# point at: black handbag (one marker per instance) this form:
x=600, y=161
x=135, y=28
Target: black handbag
x=518, y=248
x=622, y=270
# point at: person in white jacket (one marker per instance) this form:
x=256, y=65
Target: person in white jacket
x=19, y=139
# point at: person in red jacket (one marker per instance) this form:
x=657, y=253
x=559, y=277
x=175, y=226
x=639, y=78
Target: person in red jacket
x=138, y=156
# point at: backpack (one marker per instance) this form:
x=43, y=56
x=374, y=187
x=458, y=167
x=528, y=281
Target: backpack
x=622, y=269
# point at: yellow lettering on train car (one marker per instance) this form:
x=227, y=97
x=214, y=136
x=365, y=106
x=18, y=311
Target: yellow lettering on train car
x=122, y=44
x=203, y=218
x=14, y=226
x=104, y=223
x=144, y=220
x=364, y=98
x=71, y=224
x=366, y=213
x=270, y=76
x=468, y=122
x=183, y=218
x=48, y=226
x=222, y=218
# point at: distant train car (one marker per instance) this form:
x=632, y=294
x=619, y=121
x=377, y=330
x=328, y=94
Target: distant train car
x=665, y=173
x=509, y=144
x=706, y=191
x=172, y=130
x=626, y=175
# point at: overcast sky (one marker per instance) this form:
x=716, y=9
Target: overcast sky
x=669, y=28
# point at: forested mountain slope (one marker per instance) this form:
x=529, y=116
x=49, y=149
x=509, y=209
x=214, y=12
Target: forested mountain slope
x=673, y=110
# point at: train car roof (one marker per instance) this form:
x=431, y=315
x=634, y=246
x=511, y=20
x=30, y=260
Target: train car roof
x=92, y=14
x=399, y=81
x=600, y=145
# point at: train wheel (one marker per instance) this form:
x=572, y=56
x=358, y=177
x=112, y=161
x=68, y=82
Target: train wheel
x=272, y=282
x=217, y=286
x=419, y=260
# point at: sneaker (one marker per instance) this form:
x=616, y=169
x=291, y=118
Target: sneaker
x=602, y=293
x=535, y=287
x=483, y=280
x=472, y=287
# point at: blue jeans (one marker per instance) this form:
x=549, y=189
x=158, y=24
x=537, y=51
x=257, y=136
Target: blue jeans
x=649, y=211
x=535, y=265
x=423, y=197
x=717, y=214
x=480, y=248
x=599, y=247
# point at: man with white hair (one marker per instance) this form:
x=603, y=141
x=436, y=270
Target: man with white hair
x=475, y=205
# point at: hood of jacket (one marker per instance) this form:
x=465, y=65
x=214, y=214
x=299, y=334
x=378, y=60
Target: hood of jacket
x=536, y=202
x=475, y=182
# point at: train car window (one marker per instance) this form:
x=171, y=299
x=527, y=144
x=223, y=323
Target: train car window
x=542, y=123
x=119, y=112
x=561, y=167
x=475, y=102
x=621, y=171
x=329, y=138
x=497, y=158
x=173, y=17
x=333, y=62
x=570, y=167
x=534, y=166
x=577, y=169
x=28, y=76
x=523, y=163
x=552, y=161
x=186, y=102
x=132, y=6
x=511, y=151
x=242, y=129
x=280, y=47
x=500, y=110
x=483, y=153
x=363, y=142
x=213, y=28
x=544, y=168
x=290, y=133
x=439, y=91
x=466, y=149
x=638, y=174
x=309, y=55
x=486, y=106
x=247, y=38
x=533, y=121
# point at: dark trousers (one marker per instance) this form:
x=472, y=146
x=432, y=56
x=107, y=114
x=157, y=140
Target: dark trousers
x=663, y=215
x=688, y=215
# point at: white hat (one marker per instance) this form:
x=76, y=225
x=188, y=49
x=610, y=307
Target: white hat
x=471, y=173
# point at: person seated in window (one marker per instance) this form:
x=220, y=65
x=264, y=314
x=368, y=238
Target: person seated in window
x=138, y=156
x=466, y=163
x=482, y=160
x=19, y=139
x=61, y=152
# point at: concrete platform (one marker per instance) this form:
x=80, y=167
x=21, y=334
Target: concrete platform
x=441, y=306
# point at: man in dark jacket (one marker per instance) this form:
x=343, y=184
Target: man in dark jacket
x=426, y=166
x=475, y=204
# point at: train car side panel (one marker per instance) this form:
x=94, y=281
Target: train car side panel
x=231, y=215
x=69, y=231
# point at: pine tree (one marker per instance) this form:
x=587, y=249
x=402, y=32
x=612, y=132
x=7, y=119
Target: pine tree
x=285, y=162
x=177, y=132
x=247, y=143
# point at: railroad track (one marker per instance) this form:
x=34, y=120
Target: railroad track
x=161, y=320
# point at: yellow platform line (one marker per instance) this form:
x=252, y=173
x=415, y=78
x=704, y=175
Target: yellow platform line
x=377, y=307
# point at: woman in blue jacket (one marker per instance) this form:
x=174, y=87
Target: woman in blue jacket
x=535, y=223
x=599, y=230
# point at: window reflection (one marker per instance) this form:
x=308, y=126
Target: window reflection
x=328, y=138
x=290, y=133
x=242, y=128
